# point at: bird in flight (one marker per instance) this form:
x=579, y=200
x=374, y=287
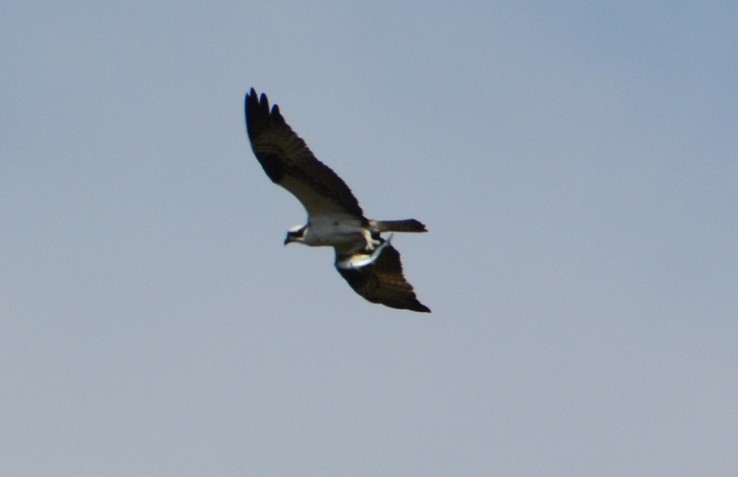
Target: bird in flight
x=366, y=260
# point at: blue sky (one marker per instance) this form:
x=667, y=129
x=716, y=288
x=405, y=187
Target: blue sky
x=575, y=164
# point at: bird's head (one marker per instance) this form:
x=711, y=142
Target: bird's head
x=295, y=234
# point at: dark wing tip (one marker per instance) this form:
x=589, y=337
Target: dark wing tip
x=252, y=101
x=277, y=115
x=258, y=113
x=412, y=305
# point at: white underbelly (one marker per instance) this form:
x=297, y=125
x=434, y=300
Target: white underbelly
x=334, y=233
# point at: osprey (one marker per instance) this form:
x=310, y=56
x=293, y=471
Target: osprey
x=369, y=263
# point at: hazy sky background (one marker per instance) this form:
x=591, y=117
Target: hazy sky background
x=576, y=164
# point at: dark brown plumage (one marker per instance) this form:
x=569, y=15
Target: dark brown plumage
x=371, y=266
x=288, y=162
x=382, y=281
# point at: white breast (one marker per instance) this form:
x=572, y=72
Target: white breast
x=334, y=230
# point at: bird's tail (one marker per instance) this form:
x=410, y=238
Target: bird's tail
x=407, y=225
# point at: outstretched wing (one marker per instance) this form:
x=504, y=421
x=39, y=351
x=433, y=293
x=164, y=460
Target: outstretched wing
x=379, y=280
x=288, y=162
